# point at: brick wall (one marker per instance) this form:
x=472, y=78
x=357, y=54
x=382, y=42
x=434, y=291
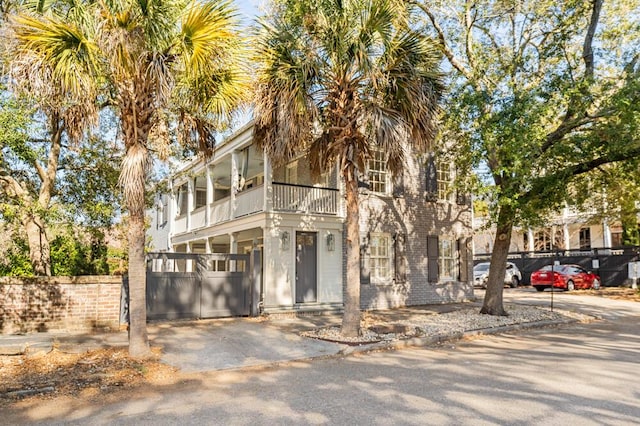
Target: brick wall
x=59, y=303
x=407, y=212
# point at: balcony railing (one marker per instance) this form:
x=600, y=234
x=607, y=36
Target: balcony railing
x=304, y=199
x=249, y=201
x=220, y=211
x=286, y=198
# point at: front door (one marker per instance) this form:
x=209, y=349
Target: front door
x=306, y=267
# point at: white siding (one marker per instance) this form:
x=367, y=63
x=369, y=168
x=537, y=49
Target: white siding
x=329, y=268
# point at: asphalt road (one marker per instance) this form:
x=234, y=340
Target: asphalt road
x=584, y=374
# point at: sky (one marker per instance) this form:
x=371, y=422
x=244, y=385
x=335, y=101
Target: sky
x=249, y=9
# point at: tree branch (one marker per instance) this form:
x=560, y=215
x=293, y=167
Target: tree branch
x=540, y=185
x=587, y=55
x=446, y=49
x=587, y=47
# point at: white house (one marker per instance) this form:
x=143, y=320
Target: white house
x=416, y=234
x=568, y=230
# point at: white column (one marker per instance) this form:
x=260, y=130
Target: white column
x=567, y=236
x=190, y=193
x=189, y=263
x=532, y=243
x=234, y=182
x=606, y=233
x=268, y=183
x=233, y=249
x=209, y=179
x=171, y=214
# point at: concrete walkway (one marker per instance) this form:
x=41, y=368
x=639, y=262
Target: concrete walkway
x=220, y=344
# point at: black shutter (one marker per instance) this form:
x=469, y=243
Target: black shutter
x=432, y=179
x=400, y=257
x=463, y=260
x=461, y=197
x=432, y=258
x=398, y=184
x=365, y=272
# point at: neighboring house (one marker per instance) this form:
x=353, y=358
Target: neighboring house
x=570, y=230
x=415, y=231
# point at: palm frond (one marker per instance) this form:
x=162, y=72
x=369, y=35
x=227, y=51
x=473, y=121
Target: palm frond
x=60, y=47
x=208, y=31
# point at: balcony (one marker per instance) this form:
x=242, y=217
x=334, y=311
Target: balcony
x=241, y=183
x=304, y=199
x=286, y=197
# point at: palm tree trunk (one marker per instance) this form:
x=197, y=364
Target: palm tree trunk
x=495, y=283
x=351, y=317
x=138, y=338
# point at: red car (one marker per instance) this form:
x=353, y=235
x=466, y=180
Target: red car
x=568, y=277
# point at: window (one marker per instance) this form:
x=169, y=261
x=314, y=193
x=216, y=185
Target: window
x=542, y=241
x=378, y=173
x=616, y=239
x=447, y=259
x=183, y=199
x=200, y=184
x=585, y=238
x=444, y=177
x=380, y=257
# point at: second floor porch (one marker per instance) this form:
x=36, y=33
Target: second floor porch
x=239, y=181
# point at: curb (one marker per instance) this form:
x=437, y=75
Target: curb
x=441, y=338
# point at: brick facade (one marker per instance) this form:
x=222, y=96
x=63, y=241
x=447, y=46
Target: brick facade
x=410, y=218
x=59, y=303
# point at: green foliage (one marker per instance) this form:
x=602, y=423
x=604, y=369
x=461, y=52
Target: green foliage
x=535, y=101
x=88, y=184
x=16, y=262
x=71, y=255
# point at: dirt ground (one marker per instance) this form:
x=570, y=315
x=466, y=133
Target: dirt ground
x=47, y=376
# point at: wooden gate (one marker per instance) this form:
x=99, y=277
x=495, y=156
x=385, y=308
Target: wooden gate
x=185, y=285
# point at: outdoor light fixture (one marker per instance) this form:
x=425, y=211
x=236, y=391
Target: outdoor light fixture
x=331, y=242
x=284, y=240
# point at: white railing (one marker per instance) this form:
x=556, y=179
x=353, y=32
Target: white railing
x=249, y=201
x=304, y=199
x=198, y=218
x=220, y=211
x=180, y=224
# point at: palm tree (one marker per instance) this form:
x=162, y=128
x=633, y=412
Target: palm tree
x=338, y=79
x=153, y=62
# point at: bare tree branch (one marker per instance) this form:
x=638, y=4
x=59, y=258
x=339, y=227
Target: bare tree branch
x=587, y=47
x=568, y=123
x=446, y=49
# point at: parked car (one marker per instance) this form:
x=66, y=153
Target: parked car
x=568, y=277
x=512, y=276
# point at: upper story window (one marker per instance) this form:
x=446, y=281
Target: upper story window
x=380, y=257
x=182, y=200
x=445, y=180
x=378, y=173
x=200, y=199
